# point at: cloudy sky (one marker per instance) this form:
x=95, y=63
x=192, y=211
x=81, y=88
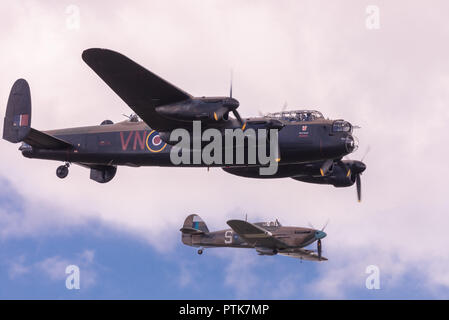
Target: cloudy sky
x=390, y=78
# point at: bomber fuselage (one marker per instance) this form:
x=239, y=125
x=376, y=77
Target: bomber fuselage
x=134, y=143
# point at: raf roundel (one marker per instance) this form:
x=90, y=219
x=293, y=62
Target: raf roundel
x=154, y=142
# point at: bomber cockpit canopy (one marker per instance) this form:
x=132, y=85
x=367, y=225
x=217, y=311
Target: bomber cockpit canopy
x=296, y=115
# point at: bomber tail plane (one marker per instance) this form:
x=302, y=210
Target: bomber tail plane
x=17, y=122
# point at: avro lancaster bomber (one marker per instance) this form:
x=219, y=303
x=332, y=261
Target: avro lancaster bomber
x=310, y=148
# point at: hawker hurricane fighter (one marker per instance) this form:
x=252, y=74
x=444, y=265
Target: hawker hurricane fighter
x=268, y=238
x=310, y=148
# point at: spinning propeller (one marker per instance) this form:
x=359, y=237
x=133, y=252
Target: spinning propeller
x=355, y=168
x=319, y=234
x=234, y=110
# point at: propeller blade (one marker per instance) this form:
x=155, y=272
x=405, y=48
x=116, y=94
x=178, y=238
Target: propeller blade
x=237, y=116
x=366, y=152
x=319, y=249
x=325, y=225
x=234, y=110
x=327, y=165
x=284, y=107
x=232, y=78
x=359, y=187
x=345, y=167
x=239, y=119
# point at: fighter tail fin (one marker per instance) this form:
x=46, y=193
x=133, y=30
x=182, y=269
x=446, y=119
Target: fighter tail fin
x=193, y=230
x=193, y=224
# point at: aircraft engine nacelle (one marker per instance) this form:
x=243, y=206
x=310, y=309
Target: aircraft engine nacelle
x=103, y=174
x=254, y=172
x=284, y=171
x=342, y=179
x=338, y=177
x=266, y=251
x=199, y=109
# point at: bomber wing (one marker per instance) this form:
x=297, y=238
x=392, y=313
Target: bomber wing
x=141, y=89
x=256, y=235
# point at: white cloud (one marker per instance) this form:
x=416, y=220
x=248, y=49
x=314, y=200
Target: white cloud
x=240, y=275
x=393, y=82
x=54, y=268
x=17, y=267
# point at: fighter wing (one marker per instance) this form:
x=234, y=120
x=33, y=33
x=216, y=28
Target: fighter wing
x=256, y=235
x=141, y=89
x=302, y=254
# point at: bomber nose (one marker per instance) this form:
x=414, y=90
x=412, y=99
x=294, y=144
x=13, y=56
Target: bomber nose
x=351, y=143
x=320, y=234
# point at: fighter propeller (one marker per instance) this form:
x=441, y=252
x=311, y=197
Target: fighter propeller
x=319, y=234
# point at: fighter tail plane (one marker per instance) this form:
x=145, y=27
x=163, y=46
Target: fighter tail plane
x=268, y=238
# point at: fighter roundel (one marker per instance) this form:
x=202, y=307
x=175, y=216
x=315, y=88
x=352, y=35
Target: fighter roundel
x=154, y=142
